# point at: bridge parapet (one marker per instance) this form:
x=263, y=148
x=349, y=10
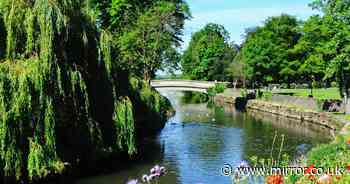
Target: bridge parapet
x=184, y=84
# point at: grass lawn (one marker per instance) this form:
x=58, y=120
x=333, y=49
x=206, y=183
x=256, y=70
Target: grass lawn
x=321, y=93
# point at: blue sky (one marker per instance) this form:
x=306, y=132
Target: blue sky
x=237, y=15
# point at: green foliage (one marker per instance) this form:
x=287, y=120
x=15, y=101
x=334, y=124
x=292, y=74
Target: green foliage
x=310, y=51
x=284, y=50
x=146, y=34
x=152, y=99
x=266, y=51
x=26, y=101
x=124, y=121
x=336, y=18
x=236, y=70
x=42, y=158
x=36, y=160
x=209, y=54
x=2, y=38
x=333, y=155
x=334, y=84
x=106, y=47
x=218, y=88
x=151, y=45
x=53, y=57
x=194, y=97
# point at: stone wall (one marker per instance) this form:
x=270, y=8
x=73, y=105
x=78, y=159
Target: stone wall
x=318, y=118
x=308, y=103
x=221, y=99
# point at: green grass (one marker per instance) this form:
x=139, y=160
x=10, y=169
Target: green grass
x=321, y=93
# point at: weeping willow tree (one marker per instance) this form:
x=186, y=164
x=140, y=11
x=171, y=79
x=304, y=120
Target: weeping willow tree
x=33, y=83
x=56, y=77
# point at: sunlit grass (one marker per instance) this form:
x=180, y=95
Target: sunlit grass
x=321, y=93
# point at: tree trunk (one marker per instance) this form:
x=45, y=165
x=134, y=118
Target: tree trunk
x=147, y=76
x=346, y=103
x=311, y=89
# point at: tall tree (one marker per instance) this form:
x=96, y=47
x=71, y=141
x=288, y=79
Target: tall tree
x=312, y=51
x=60, y=99
x=209, y=54
x=266, y=51
x=337, y=18
x=146, y=34
x=236, y=69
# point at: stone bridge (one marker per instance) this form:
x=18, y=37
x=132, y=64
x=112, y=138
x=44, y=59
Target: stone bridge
x=184, y=85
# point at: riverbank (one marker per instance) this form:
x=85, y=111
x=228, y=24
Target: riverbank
x=318, y=118
x=335, y=154
x=289, y=110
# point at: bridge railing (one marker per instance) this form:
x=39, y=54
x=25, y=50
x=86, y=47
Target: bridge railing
x=196, y=81
x=185, y=83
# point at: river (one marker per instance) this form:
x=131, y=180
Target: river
x=200, y=139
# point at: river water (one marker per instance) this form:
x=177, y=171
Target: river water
x=201, y=139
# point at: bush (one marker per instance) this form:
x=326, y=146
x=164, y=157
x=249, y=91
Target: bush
x=335, y=154
x=334, y=84
x=194, y=97
x=218, y=88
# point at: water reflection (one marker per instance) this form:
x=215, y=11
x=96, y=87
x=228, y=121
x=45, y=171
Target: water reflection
x=197, y=142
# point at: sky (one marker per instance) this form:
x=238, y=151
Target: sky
x=238, y=15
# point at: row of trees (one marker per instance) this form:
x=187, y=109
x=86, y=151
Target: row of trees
x=282, y=50
x=285, y=50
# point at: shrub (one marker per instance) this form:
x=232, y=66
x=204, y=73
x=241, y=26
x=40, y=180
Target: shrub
x=218, y=88
x=334, y=84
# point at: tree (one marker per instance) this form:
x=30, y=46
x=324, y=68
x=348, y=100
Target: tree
x=236, y=70
x=337, y=19
x=146, y=34
x=311, y=51
x=62, y=97
x=266, y=51
x=208, y=54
